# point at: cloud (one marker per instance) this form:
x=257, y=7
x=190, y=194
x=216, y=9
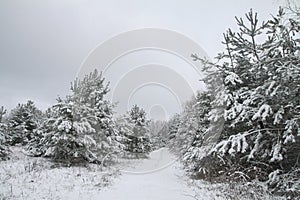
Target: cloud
x=44, y=42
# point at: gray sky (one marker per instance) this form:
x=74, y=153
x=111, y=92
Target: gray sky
x=43, y=43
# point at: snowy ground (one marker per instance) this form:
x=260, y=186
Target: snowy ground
x=157, y=178
x=24, y=177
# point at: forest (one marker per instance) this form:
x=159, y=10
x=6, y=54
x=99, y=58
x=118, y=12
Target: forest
x=243, y=130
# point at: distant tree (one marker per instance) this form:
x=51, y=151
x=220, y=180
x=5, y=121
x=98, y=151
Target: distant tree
x=138, y=137
x=173, y=126
x=158, y=131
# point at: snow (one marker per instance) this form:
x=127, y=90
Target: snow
x=158, y=177
x=24, y=177
x=278, y=116
x=158, y=160
x=276, y=155
x=232, y=78
x=234, y=144
x=263, y=112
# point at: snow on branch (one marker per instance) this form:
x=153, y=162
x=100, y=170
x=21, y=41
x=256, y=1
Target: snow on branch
x=234, y=144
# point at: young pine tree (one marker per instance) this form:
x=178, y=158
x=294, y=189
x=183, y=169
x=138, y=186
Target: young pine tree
x=88, y=95
x=138, y=138
x=22, y=122
x=81, y=125
x=67, y=136
x=260, y=96
x=191, y=128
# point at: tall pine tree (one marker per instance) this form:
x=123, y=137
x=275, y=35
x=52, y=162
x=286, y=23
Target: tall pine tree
x=260, y=96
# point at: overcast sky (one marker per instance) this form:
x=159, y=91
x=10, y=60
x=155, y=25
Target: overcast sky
x=43, y=43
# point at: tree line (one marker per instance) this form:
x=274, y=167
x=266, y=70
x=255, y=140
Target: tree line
x=78, y=128
x=244, y=127
x=252, y=105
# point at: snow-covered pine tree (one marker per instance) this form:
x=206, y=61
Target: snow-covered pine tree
x=89, y=94
x=81, y=125
x=138, y=139
x=173, y=126
x=23, y=120
x=38, y=145
x=67, y=137
x=261, y=76
x=16, y=125
x=163, y=134
x=2, y=113
x=191, y=129
x=186, y=129
x=3, y=130
x=158, y=132
x=199, y=121
x=125, y=128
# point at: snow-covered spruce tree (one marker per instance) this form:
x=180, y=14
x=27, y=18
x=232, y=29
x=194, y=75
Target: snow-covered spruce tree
x=261, y=75
x=23, y=120
x=138, y=140
x=3, y=130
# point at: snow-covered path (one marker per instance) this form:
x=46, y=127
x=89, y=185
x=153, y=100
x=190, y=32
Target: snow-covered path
x=156, y=178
